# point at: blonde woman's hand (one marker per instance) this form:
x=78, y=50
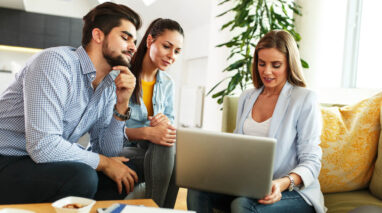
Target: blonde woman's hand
x=275, y=194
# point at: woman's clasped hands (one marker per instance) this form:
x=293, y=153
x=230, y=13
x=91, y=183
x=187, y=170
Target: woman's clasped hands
x=162, y=132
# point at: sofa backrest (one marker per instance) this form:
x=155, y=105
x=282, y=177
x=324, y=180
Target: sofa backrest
x=230, y=110
x=229, y=113
x=349, y=142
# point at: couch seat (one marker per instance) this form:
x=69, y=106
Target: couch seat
x=346, y=201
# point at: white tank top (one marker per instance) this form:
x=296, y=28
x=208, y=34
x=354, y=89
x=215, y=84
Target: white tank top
x=252, y=127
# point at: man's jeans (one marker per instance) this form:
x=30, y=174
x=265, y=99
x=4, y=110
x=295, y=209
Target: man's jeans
x=158, y=164
x=204, y=202
x=24, y=181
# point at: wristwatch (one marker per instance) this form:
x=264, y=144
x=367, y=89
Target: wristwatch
x=291, y=185
x=123, y=117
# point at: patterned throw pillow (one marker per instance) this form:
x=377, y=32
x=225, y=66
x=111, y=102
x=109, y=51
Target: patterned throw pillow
x=349, y=144
x=376, y=180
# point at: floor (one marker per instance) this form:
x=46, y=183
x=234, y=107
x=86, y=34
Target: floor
x=181, y=200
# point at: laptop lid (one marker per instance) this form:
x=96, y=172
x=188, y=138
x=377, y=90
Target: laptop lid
x=233, y=164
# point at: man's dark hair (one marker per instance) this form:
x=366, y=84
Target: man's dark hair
x=106, y=16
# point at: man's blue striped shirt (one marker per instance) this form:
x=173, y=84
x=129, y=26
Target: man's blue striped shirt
x=52, y=103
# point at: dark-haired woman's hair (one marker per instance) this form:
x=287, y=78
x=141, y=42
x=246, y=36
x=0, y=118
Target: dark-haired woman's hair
x=155, y=29
x=106, y=16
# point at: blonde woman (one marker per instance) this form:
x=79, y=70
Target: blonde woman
x=280, y=107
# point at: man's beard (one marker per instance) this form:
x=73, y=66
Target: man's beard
x=114, y=60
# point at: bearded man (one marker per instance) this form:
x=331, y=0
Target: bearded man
x=61, y=94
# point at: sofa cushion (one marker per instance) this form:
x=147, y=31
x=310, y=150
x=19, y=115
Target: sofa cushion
x=349, y=143
x=376, y=180
x=345, y=201
x=229, y=113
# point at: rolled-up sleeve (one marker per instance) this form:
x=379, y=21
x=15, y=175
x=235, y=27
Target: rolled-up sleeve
x=309, y=153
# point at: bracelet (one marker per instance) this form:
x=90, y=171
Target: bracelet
x=123, y=117
x=291, y=185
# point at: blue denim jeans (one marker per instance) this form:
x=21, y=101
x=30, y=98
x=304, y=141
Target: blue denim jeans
x=203, y=202
x=158, y=165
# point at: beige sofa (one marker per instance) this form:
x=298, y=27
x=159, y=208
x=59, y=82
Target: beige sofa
x=336, y=202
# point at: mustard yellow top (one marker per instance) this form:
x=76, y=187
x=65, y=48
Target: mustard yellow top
x=147, y=96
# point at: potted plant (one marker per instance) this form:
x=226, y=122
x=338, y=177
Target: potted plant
x=252, y=19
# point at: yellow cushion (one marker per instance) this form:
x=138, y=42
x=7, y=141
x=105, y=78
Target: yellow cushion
x=349, y=143
x=376, y=180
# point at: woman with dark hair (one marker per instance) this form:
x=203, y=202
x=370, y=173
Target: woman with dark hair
x=279, y=106
x=150, y=128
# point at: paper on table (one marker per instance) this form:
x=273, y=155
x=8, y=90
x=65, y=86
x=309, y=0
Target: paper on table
x=123, y=208
x=142, y=209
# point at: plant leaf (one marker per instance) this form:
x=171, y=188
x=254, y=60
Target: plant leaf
x=218, y=94
x=225, y=1
x=228, y=44
x=235, y=65
x=295, y=10
x=216, y=85
x=251, y=20
x=225, y=12
x=304, y=64
x=226, y=25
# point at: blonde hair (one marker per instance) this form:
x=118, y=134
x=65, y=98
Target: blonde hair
x=285, y=43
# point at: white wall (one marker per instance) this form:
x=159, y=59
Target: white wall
x=193, y=72
x=212, y=118
x=74, y=9
x=203, y=64
x=369, y=74
x=12, y=61
x=322, y=29
x=176, y=72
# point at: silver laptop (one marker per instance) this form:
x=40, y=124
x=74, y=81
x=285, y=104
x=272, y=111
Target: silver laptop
x=233, y=164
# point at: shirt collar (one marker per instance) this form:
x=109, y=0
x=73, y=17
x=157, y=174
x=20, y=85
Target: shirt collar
x=158, y=77
x=88, y=67
x=86, y=64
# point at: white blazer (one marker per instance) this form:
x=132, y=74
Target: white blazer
x=296, y=124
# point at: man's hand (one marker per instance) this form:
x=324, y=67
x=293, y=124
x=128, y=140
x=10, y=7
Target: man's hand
x=116, y=170
x=159, y=118
x=164, y=135
x=125, y=83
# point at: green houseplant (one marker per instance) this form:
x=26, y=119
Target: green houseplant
x=252, y=19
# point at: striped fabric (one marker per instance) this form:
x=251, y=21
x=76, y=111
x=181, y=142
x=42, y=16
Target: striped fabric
x=51, y=104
